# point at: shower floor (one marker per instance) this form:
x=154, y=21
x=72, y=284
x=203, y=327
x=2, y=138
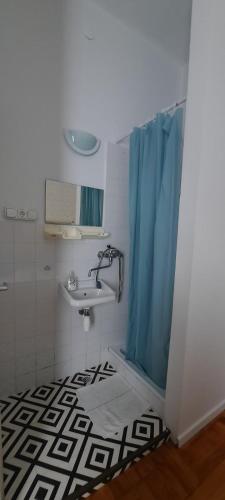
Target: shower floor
x=51, y=451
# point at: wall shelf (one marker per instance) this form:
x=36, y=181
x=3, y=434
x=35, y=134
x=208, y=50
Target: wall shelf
x=66, y=232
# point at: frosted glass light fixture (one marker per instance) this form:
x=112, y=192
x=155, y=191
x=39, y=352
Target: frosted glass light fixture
x=82, y=142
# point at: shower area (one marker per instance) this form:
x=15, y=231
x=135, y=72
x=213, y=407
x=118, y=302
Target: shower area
x=155, y=168
x=89, y=214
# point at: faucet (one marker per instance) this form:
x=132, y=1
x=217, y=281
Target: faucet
x=97, y=269
x=109, y=253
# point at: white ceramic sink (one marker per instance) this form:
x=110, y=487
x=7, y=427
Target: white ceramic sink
x=87, y=295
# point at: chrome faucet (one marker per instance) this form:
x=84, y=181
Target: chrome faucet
x=97, y=269
x=109, y=253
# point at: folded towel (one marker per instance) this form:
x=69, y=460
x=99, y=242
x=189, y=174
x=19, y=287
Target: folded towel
x=94, y=395
x=111, y=405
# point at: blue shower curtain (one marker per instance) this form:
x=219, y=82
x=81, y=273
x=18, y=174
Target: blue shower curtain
x=155, y=178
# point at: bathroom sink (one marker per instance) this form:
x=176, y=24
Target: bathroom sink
x=87, y=295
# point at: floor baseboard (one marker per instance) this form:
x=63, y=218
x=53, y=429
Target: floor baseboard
x=200, y=424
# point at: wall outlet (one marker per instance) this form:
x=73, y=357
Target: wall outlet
x=31, y=215
x=20, y=214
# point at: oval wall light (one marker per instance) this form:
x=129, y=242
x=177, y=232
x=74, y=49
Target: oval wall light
x=82, y=142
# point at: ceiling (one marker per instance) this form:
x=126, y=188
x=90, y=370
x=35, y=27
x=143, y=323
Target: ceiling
x=166, y=21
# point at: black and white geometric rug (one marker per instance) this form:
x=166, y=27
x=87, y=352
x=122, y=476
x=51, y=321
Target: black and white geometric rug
x=50, y=449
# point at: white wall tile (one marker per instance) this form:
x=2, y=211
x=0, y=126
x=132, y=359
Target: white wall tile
x=62, y=270
x=45, y=376
x=27, y=314
x=92, y=338
x=64, y=251
x=45, y=340
x=78, y=362
x=79, y=339
x=25, y=347
x=63, y=353
x=6, y=231
x=46, y=290
x=24, y=272
x=7, y=305
x=46, y=323
x=25, y=295
x=25, y=364
x=24, y=252
x=62, y=370
x=63, y=337
x=45, y=358
x=24, y=232
x=6, y=272
x=7, y=370
x=93, y=357
x=7, y=353
x=7, y=383
x=6, y=252
x=25, y=326
x=46, y=308
x=7, y=332
x=45, y=252
x=25, y=381
x=64, y=314
x=45, y=271
x=39, y=233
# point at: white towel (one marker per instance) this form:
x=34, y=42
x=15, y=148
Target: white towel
x=94, y=395
x=111, y=405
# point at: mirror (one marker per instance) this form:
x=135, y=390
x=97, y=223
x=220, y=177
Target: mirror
x=67, y=203
x=82, y=142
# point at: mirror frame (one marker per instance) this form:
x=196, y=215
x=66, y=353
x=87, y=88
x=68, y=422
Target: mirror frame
x=72, y=224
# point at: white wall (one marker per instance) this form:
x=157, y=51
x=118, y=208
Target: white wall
x=29, y=111
x=30, y=37
x=106, y=86
x=53, y=77
x=196, y=375
x=109, y=84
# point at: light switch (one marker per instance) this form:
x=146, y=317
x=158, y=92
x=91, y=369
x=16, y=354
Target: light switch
x=10, y=213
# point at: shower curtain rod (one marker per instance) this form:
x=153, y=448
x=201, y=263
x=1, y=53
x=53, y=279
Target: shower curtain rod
x=166, y=110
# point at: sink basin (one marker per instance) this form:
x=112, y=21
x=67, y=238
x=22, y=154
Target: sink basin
x=87, y=295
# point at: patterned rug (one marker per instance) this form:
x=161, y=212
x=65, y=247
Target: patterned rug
x=50, y=449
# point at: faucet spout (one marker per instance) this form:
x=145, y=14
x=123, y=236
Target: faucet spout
x=98, y=269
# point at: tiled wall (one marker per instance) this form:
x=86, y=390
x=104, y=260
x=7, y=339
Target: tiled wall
x=41, y=338
x=75, y=348
x=27, y=310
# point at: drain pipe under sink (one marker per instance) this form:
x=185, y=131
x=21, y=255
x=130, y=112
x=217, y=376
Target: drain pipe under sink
x=86, y=318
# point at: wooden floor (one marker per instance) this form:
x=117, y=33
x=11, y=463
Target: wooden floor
x=196, y=471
